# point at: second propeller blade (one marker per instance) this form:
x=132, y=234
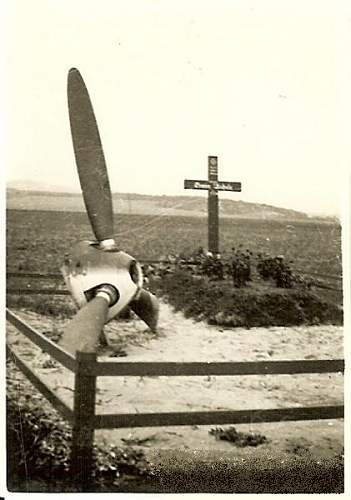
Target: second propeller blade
x=146, y=306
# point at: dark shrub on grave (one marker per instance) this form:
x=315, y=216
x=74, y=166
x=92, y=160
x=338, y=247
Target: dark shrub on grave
x=275, y=268
x=239, y=267
x=212, y=267
x=219, y=304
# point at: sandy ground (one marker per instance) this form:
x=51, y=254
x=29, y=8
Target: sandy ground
x=182, y=339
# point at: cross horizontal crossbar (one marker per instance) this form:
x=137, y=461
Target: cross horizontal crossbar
x=212, y=185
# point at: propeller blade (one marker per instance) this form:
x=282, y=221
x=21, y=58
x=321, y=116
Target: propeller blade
x=84, y=330
x=147, y=308
x=90, y=158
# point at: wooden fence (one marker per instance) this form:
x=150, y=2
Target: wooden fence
x=319, y=280
x=86, y=368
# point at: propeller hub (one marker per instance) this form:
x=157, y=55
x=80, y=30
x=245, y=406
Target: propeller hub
x=89, y=271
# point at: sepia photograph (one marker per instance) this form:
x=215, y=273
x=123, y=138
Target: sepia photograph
x=177, y=213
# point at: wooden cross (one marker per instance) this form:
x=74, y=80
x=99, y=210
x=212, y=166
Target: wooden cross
x=213, y=185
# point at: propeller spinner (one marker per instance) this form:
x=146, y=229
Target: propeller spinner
x=102, y=279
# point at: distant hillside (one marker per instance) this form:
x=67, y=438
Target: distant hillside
x=21, y=199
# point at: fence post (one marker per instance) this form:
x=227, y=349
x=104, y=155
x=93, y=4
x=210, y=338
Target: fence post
x=83, y=425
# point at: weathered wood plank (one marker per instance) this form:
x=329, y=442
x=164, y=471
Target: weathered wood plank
x=101, y=368
x=217, y=417
x=15, y=274
x=83, y=425
x=36, y=291
x=43, y=342
x=39, y=384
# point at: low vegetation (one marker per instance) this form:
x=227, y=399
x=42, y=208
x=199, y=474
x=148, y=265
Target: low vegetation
x=239, y=439
x=39, y=441
x=240, y=291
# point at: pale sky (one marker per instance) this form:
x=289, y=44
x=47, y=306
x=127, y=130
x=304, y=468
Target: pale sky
x=261, y=84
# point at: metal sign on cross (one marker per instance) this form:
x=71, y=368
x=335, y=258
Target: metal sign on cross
x=212, y=185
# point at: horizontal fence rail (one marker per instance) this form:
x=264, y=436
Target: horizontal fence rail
x=327, y=287
x=240, y=368
x=36, y=291
x=57, y=276
x=217, y=417
x=51, y=291
x=21, y=274
x=63, y=357
x=320, y=275
x=39, y=384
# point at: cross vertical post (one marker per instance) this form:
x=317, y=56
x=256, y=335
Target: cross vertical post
x=212, y=202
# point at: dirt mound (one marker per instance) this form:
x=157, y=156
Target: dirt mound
x=258, y=305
